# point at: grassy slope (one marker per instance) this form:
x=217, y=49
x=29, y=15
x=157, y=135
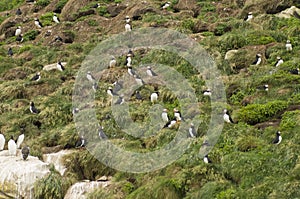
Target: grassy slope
x=246, y=164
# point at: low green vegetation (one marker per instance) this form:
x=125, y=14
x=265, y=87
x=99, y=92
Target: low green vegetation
x=245, y=162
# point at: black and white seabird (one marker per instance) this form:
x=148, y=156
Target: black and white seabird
x=207, y=92
x=164, y=115
x=248, y=17
x=131, y=71
x=10, y=52
x=58, y=39
x=177, y=115
x=112, y=62
x=288, y=45
x=19, y=38
x=97, y=5
x=90, y=77
x=95, y=86
x=33, y=109
x=18, y=31
x=278, y=138
x=111, y=92
x=295, y=71
x=206, y=159
x=120, y=100
x=264, y=87
x=55, y=18
x=37, y=23
x=170, y=124
x=192, y=131
x=154, y=97
x=18, y=12
x=166, y=5
x=101, y=133
x=139, y=80
x=279, y=61
x=25, y=152
x=127, y=19
x=37, y=77
x=257, y=60
x=127, y=27
x=128, y=60
x=150, y=72
x=138, y=95
x=227, y=118
x=59, y=66
x=118, y=85
x=81, y=142
x=2, y=141
x=20, y=140
x=12, y=147
x=75, y=110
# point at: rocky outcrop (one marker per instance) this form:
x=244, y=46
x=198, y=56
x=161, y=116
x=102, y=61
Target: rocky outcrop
x=57, y=160
x=290, y=12
x=23, y=174
x=80, y=189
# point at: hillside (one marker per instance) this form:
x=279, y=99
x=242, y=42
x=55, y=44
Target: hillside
x=245, y=163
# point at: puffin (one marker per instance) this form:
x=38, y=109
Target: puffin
x=166, y=5
x=118, y=85
x=55, y=18
x=279, y=61
x=257, y=60
x=127, y=19
x=33, y=109
x=177, y=115
x=192, y=131
x=138, y=95
x=249, y=16
x=20, y=140
x=111, y=92
x=112, y=62
x=150, y=72
x=12, y=147
x=18, y=31
x=120, y=100
x=130, y=71
x=288, y=46
x=37, y=23
x=154, y=97
x=206, y=159
x=59, y=66
x=164, y=115
x=18, y=12
x=101, y=133
x=295, y=71
x=2, y=141
x=227, y=118
x=139, y=80
x=81, y=142
x=90, y=77
x=264, y=87
x=207, y=92
x=25, y=152
x=37, y=77
x=170, y=123
x=10, y=52
x=278, y=138
x=19, y=38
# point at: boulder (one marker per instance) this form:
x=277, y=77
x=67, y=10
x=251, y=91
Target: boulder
x=21, y=174
x=290, y=12
x=57, y=160
x=52, y=66
x=81, y=189
x=114, y=10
